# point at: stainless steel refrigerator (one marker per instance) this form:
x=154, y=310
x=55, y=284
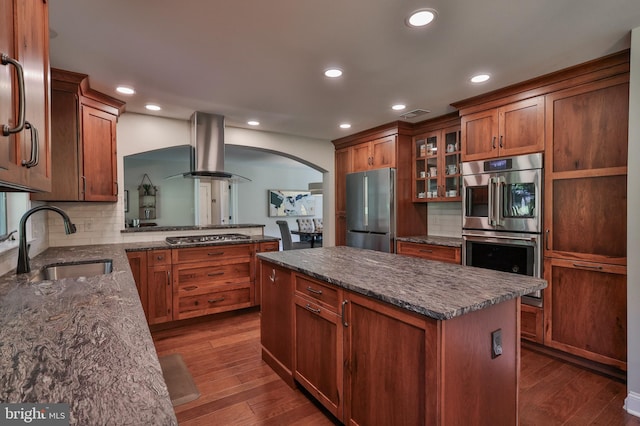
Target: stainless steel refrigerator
x=371, y=210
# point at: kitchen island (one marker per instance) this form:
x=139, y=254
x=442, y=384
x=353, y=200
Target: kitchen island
x=379, y=338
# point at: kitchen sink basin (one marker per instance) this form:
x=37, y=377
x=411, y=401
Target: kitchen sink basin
x=88, y=268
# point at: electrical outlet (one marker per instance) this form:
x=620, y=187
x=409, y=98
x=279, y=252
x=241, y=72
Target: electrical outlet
x=496, y=343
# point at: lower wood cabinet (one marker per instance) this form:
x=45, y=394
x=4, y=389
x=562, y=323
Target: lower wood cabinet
x=212, y=279
x=370, y=363
x=430, y=251
x=262, y=247
x=585, y=311
x=531, y=323
x=276, y=319
x=160, y=293
x=138, y=265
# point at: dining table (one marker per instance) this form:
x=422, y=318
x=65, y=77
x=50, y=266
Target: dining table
x=312, y=235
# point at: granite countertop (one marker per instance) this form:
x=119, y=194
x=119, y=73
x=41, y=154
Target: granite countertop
x=433, y=239
x=84, y=342
x=155, y=245
x=436, y=289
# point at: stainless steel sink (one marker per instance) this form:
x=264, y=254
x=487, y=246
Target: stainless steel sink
x=88, y=268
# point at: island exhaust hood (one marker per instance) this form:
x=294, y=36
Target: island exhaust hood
x=207, y=142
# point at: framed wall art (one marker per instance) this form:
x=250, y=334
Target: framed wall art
x=290, y=203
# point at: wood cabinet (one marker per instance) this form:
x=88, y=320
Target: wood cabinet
x=384, y=146
x=159, y=287
x=513, y=129
x=430, y=251
x=586, y=195
x=376, y=154
x=212, y=279
x=25, y=156
x=262, y=247
x=276, y=319
x=138, y=265
x=318, y=349
x=83, y=129
x=586, y=310
x=343, y=167
x=436, y=165
x=532, y=323
x=372, y=363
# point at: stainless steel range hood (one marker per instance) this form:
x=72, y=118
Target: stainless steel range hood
x=207, y=141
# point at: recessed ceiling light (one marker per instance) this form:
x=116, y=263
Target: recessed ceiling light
x=345, y=126
x=152, y=107
x=398, y=107
x=480, y=78
x=125, y=90
x=421, y=17
x=333, y=73
x=253, y=123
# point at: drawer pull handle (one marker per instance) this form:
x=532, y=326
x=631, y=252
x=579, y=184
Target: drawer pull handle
x=310, y=309
x=7, y=60
x=578, y=265
x=426, y=251
x=217, y=253
x=344, y=319
x=214, y=274
x=219, y=299
x=313, y=290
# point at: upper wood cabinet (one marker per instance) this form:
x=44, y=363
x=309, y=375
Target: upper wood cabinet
x=25, y=162
x=513, y=129
x=436, y=165
x=375, y=154
x=83, y=129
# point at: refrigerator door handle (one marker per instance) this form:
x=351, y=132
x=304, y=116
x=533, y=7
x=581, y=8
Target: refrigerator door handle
x=366, y=201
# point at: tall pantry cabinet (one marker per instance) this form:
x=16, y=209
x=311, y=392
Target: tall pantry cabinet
x=25, y=162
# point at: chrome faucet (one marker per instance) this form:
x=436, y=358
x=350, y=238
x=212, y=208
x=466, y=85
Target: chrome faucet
x=23, y=250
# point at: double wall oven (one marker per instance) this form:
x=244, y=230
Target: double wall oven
x=502, y=216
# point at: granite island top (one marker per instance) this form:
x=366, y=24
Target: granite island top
x=435, y=289
x=84, y=342
x=433, y=239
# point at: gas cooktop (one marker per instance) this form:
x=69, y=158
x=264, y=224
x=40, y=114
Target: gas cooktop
x=203, y=239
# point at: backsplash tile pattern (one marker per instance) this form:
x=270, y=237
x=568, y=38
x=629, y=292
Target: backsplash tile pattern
x=445, y=219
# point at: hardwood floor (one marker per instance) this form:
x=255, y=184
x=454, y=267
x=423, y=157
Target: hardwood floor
x=237, y=388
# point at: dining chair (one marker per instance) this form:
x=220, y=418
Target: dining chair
x=317, y=224
x=287, y=242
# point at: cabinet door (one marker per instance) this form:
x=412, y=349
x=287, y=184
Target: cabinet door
x=479, y=135
x=9, y=169
x=383, y=152
x=262, y=248
x=586, y=310
x=138, y=265
x=430, y=252
x=276, y=319
x=385, y=350
x=318, y=353
x=343, y=166
x=585, y=172
x=361, y=157
x=160, y=295
x=33, y=51
x=99, y=155
x=521, y=127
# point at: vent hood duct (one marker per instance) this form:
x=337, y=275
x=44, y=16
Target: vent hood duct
x=207, y=141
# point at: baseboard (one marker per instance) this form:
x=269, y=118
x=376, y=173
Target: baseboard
x=632, y=404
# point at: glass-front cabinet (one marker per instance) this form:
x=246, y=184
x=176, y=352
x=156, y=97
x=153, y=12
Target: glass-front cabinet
x=436, y=164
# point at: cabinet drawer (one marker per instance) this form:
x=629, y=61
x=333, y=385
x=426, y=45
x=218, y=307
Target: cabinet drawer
x=269, y=246
x=158, y=257
x=317, y=291
x=209, y=303
x=194, y=278
x=211, y=253
x=430, y=252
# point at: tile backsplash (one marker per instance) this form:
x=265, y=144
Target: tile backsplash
x=445, y=219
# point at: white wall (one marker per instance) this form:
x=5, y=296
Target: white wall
x=633, y=234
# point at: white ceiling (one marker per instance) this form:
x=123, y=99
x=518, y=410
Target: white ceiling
x=264, y=60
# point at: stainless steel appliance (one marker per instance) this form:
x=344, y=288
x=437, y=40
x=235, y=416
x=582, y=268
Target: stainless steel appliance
x=502, y=216
x=206, y=239
x=371, y=209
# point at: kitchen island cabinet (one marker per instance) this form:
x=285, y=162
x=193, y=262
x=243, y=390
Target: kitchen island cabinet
x=417, y=336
